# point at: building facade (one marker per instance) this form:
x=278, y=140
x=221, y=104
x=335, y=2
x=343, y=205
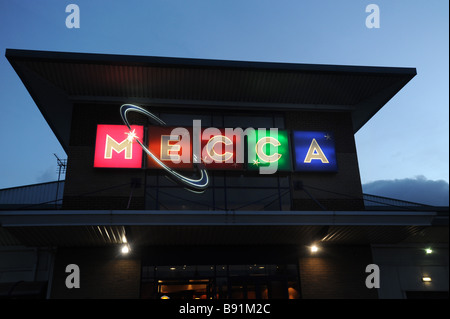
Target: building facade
x=140, y=227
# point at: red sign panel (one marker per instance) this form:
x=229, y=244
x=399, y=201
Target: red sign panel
x=170, y=145
x=115, y=146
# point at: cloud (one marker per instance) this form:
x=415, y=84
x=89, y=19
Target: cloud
x=418, y=190
x=48, y=175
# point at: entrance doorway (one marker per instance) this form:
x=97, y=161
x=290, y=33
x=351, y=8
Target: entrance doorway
x=254, y=281
x=184, y=289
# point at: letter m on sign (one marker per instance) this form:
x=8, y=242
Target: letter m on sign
x=115, y=148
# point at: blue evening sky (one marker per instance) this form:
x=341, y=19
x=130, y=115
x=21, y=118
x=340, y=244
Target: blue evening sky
x=409, y=137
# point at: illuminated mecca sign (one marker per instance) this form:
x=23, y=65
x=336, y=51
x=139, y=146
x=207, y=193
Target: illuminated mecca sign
x=180, y=151
x=314, y=151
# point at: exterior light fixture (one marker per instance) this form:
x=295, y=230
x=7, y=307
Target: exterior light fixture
x=125, y=249
x=428, y=251
x=314, y=248
x=426, y=278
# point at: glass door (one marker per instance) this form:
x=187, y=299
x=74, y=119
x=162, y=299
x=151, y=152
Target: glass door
x=244, y=281
x=184, y=289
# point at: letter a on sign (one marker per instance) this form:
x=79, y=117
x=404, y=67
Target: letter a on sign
x=314, y=151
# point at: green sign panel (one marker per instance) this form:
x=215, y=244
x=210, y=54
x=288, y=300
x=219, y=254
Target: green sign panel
x=268, y=151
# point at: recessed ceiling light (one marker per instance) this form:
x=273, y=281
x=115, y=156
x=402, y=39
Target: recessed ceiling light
x=125, y=249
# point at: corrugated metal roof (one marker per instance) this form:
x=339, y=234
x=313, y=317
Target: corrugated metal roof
x=222, y=235
x=377, y=202
x=68, y=236
x=98, y=228
x=36, y=196
x=76, y=236
x=191, y=83
x=56, y=80
x=369, y=234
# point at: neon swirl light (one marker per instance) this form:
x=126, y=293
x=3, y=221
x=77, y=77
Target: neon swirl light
x=199, y=184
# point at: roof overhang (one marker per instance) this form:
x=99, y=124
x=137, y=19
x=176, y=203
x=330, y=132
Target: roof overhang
x=57, y=80
x=99, y=228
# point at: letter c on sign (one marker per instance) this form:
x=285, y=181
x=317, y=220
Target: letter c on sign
x=213, y=154
x=260, y=152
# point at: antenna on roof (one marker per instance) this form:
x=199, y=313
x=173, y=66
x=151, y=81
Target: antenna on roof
x=62, y=166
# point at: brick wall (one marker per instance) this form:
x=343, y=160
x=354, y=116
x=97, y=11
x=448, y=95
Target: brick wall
x=336, y=273
x=104, y=273
x=332, y=273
